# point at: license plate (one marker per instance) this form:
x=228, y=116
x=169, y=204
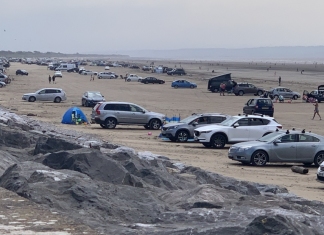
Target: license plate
x=321, y=174
x=265, y=107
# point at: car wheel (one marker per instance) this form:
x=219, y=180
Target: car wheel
x=218, y=141
x=259, y=158
x=139, y=80
x=110, y=123
x=260, y=93
x=128, y=80
x=1, y=85
x=191, y=86
x=240, y=93
x=176, y=86
x=182, y=136
x=319, y=159
x=103, y=126
x=147, y=127
x=207, y=145
x=295, y=97
x=155, y=124
x=32, y=99
x=57, y=100
x=235, y=94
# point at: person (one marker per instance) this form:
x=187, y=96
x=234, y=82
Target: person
x=222, y=87
x=234, y=85
x=53, y=78
x=281, y=99
x=316, y=110
x=265, y=94
x=91, y=78
x=279, y=80
x=49, y=79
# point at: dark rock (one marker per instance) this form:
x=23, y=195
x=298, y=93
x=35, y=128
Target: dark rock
x=16, y=138
x=51, y=145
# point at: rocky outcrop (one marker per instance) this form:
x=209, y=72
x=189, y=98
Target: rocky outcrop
x=116, y=190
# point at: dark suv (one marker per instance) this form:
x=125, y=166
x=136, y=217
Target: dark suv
x=259, y=105
x=247, y=88
x=176, y=72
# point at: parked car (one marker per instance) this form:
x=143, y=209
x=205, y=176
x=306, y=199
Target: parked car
x=314, y=95
x=236, y=129
x=107, y=67
x=281, y=146
x=2, y=84
x=152, y=80
x=214, y=83
x=134, y=67
x=88, y=72
x=146, y=68
x=285, y=92
x=320, y=173
x=183, y=130
x=46, y=94
x=3, y=77
x=110, y=114
x=178, y=71
x=247, y=88
x=259, y=105
x=183, y=84
x=58, y=74
x=21, y=72
x=133, y=78
x=109, y=75
x=91, y=98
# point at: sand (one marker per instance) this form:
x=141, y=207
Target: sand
x=183, y=102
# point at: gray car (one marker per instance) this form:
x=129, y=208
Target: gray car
x=46, y=94
x=281, y=146
x=285, y=92
x=184, y=130
x=247, y=88
x=109, y=114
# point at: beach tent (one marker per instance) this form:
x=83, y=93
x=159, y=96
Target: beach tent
x=74, y=115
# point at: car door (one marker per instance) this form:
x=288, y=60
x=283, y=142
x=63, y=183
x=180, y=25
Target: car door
x=258, y=127
x=50, y=94
x=285, y=149
x=249, y=107
x=241, y=132
x=41, y=95
x=307, y=146
x=287, y=93
x=186, y=84
x=138, y=115
x=123, y=113
x=153, y=80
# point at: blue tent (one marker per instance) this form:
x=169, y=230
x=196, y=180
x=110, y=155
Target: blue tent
x=74, y=115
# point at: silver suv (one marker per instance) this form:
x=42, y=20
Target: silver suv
x=109, y=75
x=285, y=92
x=46, y=94
x=184, y=130
x=109, y=114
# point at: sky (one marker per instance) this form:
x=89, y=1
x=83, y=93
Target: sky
x=100, y=26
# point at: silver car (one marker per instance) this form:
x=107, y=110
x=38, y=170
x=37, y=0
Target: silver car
x=109, y=75
x=55, y=95
x=109, y=114
x=281, y=146
x=285, y=92
x=184, y=130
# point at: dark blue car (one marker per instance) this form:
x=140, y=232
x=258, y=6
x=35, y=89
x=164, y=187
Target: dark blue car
x=183, y=84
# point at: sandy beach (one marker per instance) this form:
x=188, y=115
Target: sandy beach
x=183, y=102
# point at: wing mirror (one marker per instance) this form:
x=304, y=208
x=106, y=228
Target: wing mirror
x=236, y=125
x=277, y=141
x=143, y=111
x=195, y=123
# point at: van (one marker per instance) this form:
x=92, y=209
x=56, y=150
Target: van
x=214, y=83
x=66, y=67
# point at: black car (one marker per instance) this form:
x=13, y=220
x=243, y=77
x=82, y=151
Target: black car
x=91, y=98
x=314, y=95
x=214, y=83
x=146, y=68
x=134, y=67
x=21, y=72
x=178, y=71
x=259, y=105
x=152, y=80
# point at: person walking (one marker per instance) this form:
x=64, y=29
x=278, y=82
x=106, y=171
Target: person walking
x=49, y=79
x=316, y=110
x=222, y=87
x=279, y=80
x=53, y=78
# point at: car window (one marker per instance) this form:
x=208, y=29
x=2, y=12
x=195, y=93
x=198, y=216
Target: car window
x=243, y=122
x=288, y=138
x=135, y=108
x=256, y=122
x=265, y=102
x=287, y=90
x=41, y=92
x=216, y=119
x=109, y=107
x=307, y=138
x=253, y=102
x=122, y=107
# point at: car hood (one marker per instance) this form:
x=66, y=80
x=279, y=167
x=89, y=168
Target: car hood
x=211, y=127
x=249, y=143
x=96, y=98
x=154, y=114
x=174, y=124
x=28, y=94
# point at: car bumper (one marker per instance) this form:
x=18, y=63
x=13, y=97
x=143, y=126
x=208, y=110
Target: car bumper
x=320, y=176
x=167, y=134
x=96, y=121
x=24, y=98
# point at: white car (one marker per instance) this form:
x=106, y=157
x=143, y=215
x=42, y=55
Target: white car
x=110, y=75
x=235, y=130
x=58, y=74
x=133, y=78
x=107, y=68
x=320, y=173
x=89, y=72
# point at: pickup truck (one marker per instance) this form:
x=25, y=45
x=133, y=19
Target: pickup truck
x=133, y=78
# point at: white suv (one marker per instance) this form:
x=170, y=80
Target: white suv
x=236, y=129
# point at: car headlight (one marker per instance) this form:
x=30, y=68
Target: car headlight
x=242, y=149
x=201, y=132
x=322, y=168
x=172, y=127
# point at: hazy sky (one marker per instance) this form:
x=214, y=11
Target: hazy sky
x=71, y=26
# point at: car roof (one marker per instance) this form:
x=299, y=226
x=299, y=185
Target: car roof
x=295, y=131
x=118, y=102
x=254, y=116
x=210, y=114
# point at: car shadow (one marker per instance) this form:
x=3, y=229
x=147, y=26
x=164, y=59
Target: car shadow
x=274, y=165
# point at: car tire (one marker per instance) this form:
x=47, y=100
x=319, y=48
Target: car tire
x=128, y=80
x=218, y=141
x=259, y=93
x=57, y=100
x=32, y=99
x=207, y=145
x=155, y=124
x=139, y=80
x=240, y=93
x=235, y=94
x=110, y=123
x=318, y=159
x=295, y=97
x=176, y=86
x=160, y=82
x=191, y=86
x=103, y=126
x=182, y=136
x=259, y=158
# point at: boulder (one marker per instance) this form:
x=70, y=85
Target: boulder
x=51, y=145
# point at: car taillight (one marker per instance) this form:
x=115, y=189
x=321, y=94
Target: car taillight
x=97, y=109
x=280, y=127
x=256, y=106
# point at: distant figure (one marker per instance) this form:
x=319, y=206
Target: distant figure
x=316, y=110
x=53, y=78
x=275, y=73
x=213, y=71
x=49, y=79
x=222, y=87
x=279, y=80
x=267, y=69
x=265, y=95
x=91, y=77
x=301, y=72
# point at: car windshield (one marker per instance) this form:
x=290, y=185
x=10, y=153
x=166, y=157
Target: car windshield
x=270, y=137
x=229, y=122
x=94, y=94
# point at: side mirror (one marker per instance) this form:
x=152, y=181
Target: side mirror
x=143, y=111
x=236, y=125
x=103, y=96
x=195, y=123
x=276, y=141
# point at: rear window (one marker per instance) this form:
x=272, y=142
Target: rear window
x=109, y=107
x=265, y=102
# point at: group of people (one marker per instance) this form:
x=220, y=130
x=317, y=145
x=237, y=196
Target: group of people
x=50, y=79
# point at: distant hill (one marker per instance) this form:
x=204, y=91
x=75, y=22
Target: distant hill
x=313, y=53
